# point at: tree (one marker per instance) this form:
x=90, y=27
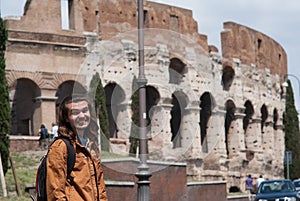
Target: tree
x=4, y=101
x=292, y=134
x=97, y=91
x=134, y=131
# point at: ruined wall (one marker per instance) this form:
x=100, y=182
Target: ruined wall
x=121, y=16
x=103, y=39
x=253, y=48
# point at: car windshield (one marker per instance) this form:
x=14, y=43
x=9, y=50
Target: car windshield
x=297, y=183
x=276, y=187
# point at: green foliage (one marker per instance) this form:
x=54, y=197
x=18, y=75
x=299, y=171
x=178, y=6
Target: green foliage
x=134, y=132
x=25, y=165
x=97, y=91
x=292, y=134
x=4, y=101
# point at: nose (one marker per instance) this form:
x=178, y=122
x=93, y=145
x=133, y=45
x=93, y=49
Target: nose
x=81, y=115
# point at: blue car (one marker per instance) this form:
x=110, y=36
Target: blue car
x=297, y=184
x=277, y=190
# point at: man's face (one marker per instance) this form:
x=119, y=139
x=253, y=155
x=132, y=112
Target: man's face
x=79, y=115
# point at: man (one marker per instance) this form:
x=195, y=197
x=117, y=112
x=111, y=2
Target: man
x=259, y=180
x=78, y=125
x=54, y=130
x=249, y=184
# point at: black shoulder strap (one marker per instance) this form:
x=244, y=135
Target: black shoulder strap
x=71, y=158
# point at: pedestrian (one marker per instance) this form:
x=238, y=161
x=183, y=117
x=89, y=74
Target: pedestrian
x=43, y=132
x=249, y=184
x=54, y=130
x=77, y=123
x=259, y=180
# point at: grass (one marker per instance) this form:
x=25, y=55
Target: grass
x=25, y=165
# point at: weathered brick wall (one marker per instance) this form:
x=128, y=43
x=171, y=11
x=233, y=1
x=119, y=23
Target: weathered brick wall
x=253, y=47
x=168, y=180
x=203, y=191
x=24, y=143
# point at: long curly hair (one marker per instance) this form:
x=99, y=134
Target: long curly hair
x=64, y=126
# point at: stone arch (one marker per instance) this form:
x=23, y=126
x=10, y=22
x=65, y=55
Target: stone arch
x=227, y=77
x=206, y=105
x=264, y=116
x=229, y=118
x=275, y=118
x=152, y=99
x=177, y=69
x=25, y=110
x=114, y=95
x=249, y=112
x=179, y=103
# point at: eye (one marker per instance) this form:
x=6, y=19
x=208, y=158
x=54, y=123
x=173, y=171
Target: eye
x=85, y=110
x=75, y=112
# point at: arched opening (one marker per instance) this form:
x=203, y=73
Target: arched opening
x=275, y=118
x=249, y=111
x=264, y=116
x=25, y=108
x=179, y=103
x=249, y=136
x=229, y=117
x=227, y=77
x=152, y=98
x=177, y=69
x=206, y=105
x=114, y=97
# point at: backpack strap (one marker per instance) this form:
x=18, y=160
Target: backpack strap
x=70, y=159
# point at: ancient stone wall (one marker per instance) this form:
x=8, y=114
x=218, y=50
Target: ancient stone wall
x=220, y=114
x=253, y=48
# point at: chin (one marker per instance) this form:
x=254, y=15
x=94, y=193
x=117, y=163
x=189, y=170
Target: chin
x=81, y=127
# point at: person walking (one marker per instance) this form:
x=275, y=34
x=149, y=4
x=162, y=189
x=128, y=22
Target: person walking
x=54, y=130
x=259, y=180
x=249, y=183
x=43, y=132
x=249, y=187
x=77, y=123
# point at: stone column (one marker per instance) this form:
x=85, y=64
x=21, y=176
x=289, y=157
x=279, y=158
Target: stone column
x=216, y=133
x=123, y=120
x=268, y=143
x=45, y=111
x=190, y=131
x=236, y=140
x=253, y=135
x=216, y=158
x=279, y=144
x=160, y=144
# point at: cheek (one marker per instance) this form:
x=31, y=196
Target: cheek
x=71, y=119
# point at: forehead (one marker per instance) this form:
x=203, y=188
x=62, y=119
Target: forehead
x=77, y=105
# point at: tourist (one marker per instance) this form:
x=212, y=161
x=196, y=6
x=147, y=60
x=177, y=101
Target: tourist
x=249, y=184
x=43, y=132
x=259, y=180
x=54, y=130
x=75, y=123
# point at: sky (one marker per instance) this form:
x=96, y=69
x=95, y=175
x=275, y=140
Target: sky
x=278, y=19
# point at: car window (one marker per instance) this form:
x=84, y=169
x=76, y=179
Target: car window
x=276, y=187
x=297, y=183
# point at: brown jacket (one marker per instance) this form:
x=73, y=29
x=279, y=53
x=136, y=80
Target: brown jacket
x=84, y=185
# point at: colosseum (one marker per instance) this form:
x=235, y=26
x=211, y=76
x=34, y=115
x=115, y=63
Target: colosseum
x=221, y=113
